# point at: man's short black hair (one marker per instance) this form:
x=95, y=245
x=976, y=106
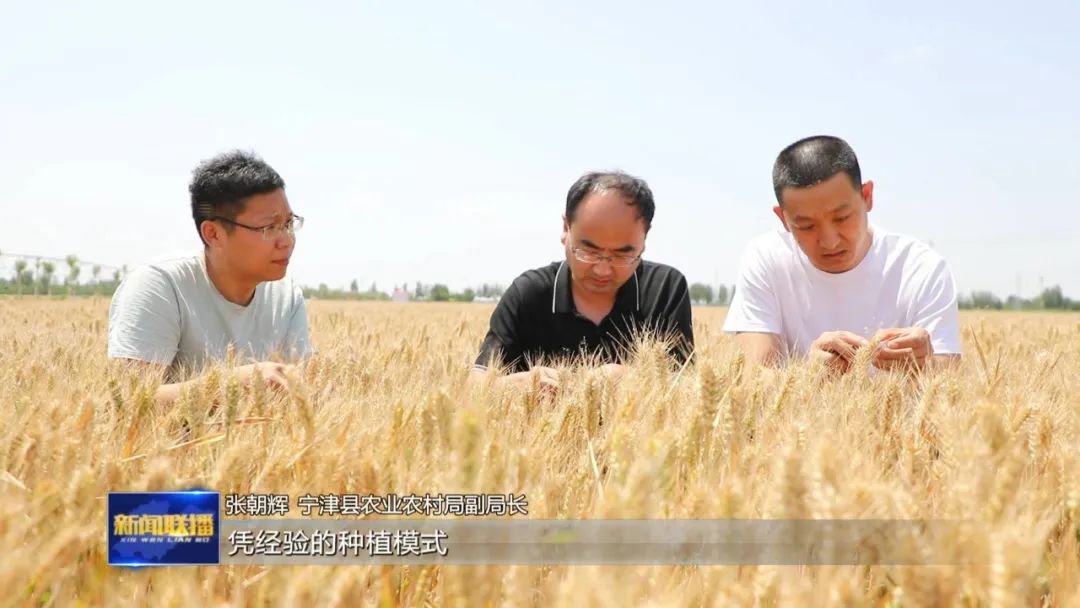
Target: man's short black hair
x=220, y=185
x=635, y=190
x=812, y=160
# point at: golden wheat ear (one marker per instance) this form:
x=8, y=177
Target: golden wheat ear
x=864, y=355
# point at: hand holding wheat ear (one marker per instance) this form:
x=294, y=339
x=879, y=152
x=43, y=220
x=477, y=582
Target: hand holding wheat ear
x=897, y=347
x=837, y=349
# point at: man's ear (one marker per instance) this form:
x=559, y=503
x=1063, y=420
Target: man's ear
x=868, y=194
x=779, y=211
x=210, y=232
x=565, y=230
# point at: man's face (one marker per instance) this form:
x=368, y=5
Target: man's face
x=604, y=224
x=247, y=251
x=829, y=221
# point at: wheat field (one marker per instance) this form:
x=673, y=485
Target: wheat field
x=385, y=407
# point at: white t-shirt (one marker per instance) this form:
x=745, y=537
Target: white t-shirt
x=170, y=313
x=900, y=283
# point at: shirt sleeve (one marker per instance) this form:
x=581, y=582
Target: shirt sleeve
x=503, y=343
x=144, y=318
x=298, y=339
x=937, y=312
x=680, y=318
x=754, y=306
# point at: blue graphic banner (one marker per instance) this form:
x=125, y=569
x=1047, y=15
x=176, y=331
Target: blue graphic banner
x=164, y=528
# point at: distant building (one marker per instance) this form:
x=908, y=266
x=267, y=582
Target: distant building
x=400, y=295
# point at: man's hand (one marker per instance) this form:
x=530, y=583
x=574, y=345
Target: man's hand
x=543, y=379
x=837, y=349
x=273, y=374
x=614, y=371
x=902, y=346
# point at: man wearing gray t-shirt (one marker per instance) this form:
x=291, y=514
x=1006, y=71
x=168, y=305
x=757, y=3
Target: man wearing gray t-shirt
x=176, y=316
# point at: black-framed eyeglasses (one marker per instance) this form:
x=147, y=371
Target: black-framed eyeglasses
x=591, y=257
x=269, y=232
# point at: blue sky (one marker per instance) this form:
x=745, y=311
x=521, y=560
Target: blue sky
x=436, y=141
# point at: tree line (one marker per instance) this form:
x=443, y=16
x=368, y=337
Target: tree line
x=704, y=294
x=48, y=276
x=420, y=292
x=41, y=275
x=34, y=275
x=1051, y=298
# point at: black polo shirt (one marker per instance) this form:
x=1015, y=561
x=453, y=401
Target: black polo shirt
x=536, y=318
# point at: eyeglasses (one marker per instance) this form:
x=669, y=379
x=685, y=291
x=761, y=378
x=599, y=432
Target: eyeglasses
x=618, y=261
x=270, y=232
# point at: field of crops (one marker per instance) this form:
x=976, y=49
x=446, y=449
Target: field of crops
x=385, y=407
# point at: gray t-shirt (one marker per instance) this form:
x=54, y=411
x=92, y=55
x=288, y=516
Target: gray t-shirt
x=170, y=313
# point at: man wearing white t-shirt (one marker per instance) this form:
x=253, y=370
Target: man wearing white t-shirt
x=176, y=316
x=830, y=282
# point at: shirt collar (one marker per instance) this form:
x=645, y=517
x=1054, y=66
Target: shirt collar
x=562, y=299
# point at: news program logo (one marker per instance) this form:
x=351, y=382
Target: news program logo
x=163, y=528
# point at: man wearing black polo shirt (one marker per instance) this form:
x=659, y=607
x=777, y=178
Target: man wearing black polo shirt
x=595, y=301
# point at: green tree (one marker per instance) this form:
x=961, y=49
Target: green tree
x=354, y=287
x=47, y=271
x=37, y=275
x=440, y=293
x=701, y=293
x=73, y=272
x=23, y=277
x=985, y=300
x=1053, y=298
x=722, y=295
